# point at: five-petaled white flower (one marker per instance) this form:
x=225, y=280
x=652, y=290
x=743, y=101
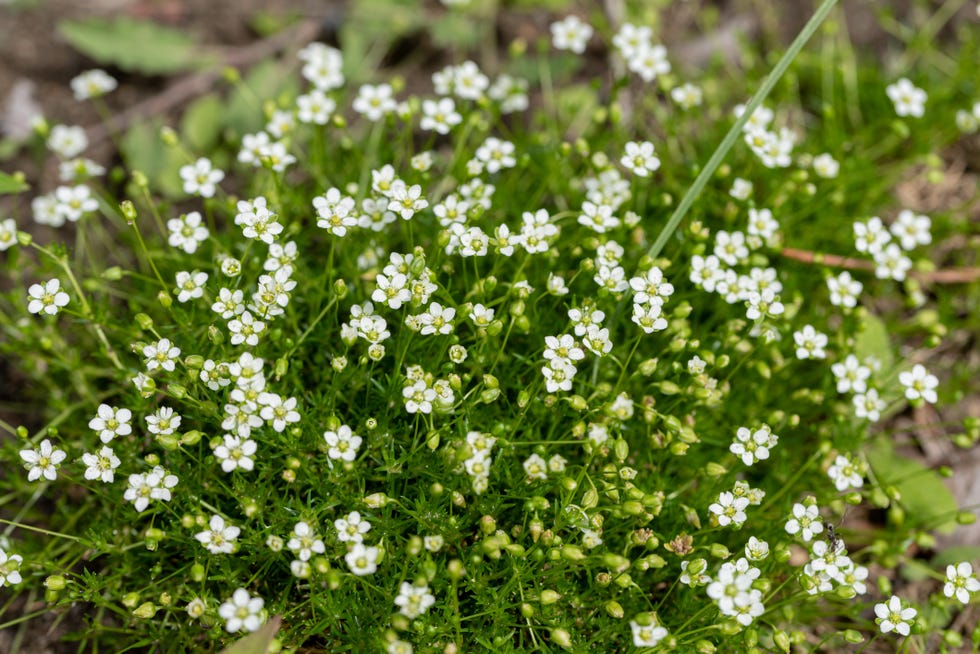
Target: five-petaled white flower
x=362, y=560
x=220, y=537
x=919, y=384
x=102, y=465
x=10, y=568
x=201, y=178
x=960, y=582
x=412, y=601
x=92, y=84
x=110, y=422
x=805, y=521
x=571, y=34
x=153, y=485
x=242, y=611
x=305, y=542
x=342, y=443
x=42, y=461
x=907, y=98
x=894, y=616
x=647, y=635
x=47, y=298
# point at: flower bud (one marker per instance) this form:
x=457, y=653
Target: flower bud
x=146, y=610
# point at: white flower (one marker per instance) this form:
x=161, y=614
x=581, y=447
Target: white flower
x=92, y=84
x=343, y=443
x=201, y=178
x=67, y=141
x=437, y=319
x=647, y=635
x=439, y=115
x=351, y=529
x=496, y=154
x=46, y=210
x=919, y=384
x=571, y=34
x=161, y=354
x=911, y=229
x=42, y=461
x=277, y=411
x=413, y=600
x=892, y=263
x=315, y=107
x=79, y=170
x=481, y=315
x=374, y=102
x=687, y=95
x=960, y=582
x=229, y=303
x=164, y=422
x=153, y=485
x=908, y=100
x=844, y=290
x=190, y=285
x=362, y=560
x=810, y=343
x=305, y=542
x=868, y=405
x=510, y=93
x=8, y=233
x=752, y=446
x=418, y=397
x=846, y=473
x=729, y=509
x=630, y=38
x=220, y=537
x=406, y=200
x=639, y=158
x=101, y=465
x=649, y=61
x=756, y=550
x=187, y=232
x=851, y=375
x=281, y=124
x=824, y=165
x=892, y=616
x=805, y=521
x=323, y=66
x=110, y=422
x=741, y=189
x=47, y=298
x=236, y=453
x=468, y=82
x=535, y=468
x=242, y=611
x=245, y=329
x=74, y=202
x=730, y=247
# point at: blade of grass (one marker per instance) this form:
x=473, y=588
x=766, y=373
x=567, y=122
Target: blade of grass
x=726, y=144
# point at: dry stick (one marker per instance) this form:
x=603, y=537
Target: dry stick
x=197, y=84
x=948, y=276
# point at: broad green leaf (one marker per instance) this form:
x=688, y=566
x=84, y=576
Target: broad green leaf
x=872, y=341
x=954, y=555
x=143, y=150
x=11, y=184
x=257, y=642
x=926, y=499
x=133, y=45
x=202, y=122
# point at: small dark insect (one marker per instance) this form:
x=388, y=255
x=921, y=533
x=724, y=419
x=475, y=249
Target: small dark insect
x=833, y=540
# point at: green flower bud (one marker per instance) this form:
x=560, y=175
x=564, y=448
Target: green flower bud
x=146, y=610
x=853, y=636
x=549, y=596
x=561, y=638
x=55, y=583
x=615, y=609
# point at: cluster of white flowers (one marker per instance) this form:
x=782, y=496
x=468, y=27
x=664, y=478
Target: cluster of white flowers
x=650, y=293
x=414, y=600
x=774, y=149
x=304, y=543
x=852, y=377
x=732, y=591
x=642, y=56
x=830, y=565
x=478, y=463
x=731, y=505
x=874, y=238
x=423, y=393
x=560, y=353
x=536, y=468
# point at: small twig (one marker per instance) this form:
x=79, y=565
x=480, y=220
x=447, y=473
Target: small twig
x=947, y=276
x=186, y=88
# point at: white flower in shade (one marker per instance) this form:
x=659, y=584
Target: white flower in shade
x=891, y=263
x=647, y=635
x=805, y=521
x=67, y=141
x=190, y=285
x=571, y=34
x=824, y=165
x=894, y=616
x=305, y=542
x=844, y=290
x=687, y=96
x=919, y=384
x=323, y=66
x=362, y=560
x=412, y=601
x=220, y=537
x=511, y=93
x=242, y=611
x=741, y=189
x=110, y=422
x=639, y=158
x=46, y=210
x=342, y=444
x=631, y=38
x=496, y=154
x=810, y=343
x=164, y=422
x=649, y=62
x=42, y=461
x=187, y=232
x=907, y=98
x=161, y=355
x=92, y=84
x=145, y=487
x=201, y=178
x=10, y=568
x=960, y=582
x=101, y=465
x=912, y=229
x=846, y=473
x=47, y=298
x=236, y=453
x=315, y=107
x=351, y=528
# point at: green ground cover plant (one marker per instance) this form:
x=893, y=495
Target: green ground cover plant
x=517, y=362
